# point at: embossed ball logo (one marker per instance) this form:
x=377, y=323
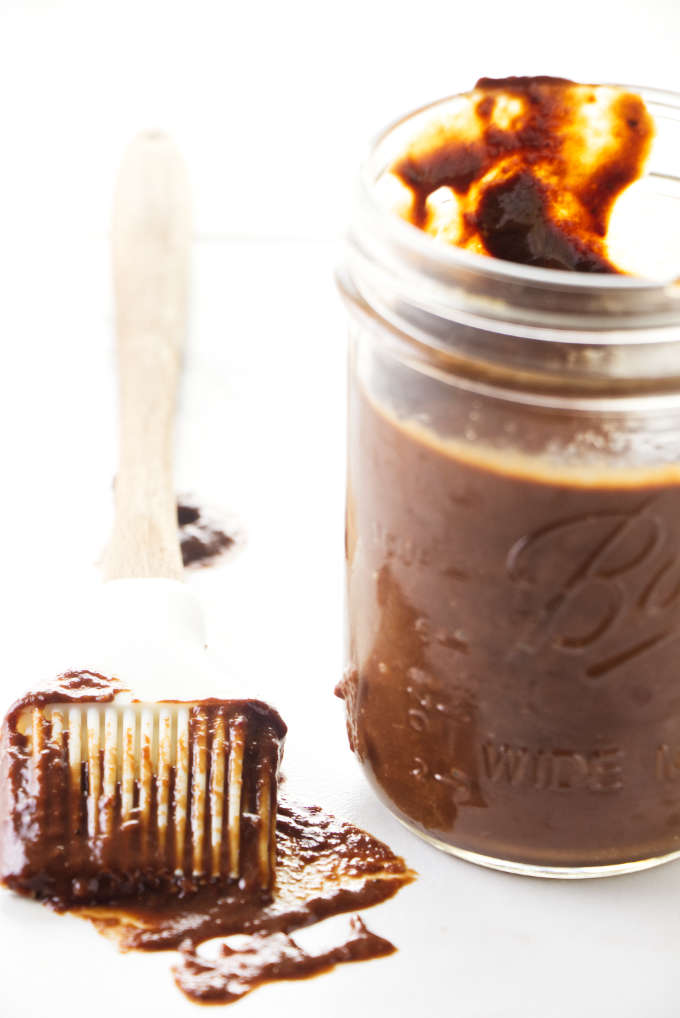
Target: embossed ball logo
x=601, y=586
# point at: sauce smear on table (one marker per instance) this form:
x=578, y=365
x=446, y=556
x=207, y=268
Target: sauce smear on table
x=324, y=868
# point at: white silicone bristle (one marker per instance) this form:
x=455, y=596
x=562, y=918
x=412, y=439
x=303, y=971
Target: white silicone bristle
x=235, y=784
x=165, y=757
x=181, y=785
x=93, y=769
x=110, y=769
x=199, y=770
x=57, y=733
x=146, y=769
x=38, y=742
x=74, y=762
x=264, y=810
x=217, y=775
x=129, y=764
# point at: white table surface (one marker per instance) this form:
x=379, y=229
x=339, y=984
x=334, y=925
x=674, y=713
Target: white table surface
x=261, y=433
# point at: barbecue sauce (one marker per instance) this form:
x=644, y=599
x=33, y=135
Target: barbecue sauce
x=515, y=624
x=533, y=167
x=202, y=539
x=324, y=867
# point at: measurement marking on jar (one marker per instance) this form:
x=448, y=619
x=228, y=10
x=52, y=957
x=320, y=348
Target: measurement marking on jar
x=461, y=785
x=397, y=546
x=552, y=770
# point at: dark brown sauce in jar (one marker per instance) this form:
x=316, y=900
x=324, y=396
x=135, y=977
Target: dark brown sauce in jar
x=515, y=634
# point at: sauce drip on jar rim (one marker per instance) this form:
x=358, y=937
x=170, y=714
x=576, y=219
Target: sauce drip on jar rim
x=528, y=169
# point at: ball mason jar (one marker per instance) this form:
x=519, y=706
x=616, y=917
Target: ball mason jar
x=513, y=544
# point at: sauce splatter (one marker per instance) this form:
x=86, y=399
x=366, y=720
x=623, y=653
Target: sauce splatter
x=325, y=867
x=202, y=538
x=266, y=958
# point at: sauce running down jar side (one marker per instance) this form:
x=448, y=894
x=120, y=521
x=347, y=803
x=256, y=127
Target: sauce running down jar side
x=513, y=545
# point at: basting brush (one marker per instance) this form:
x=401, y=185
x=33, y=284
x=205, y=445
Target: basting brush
x=134, y=774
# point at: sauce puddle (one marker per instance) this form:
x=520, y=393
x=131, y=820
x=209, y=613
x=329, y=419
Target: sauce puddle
x=268, y=958
x=324, y=868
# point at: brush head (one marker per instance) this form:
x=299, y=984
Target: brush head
x=103, y=797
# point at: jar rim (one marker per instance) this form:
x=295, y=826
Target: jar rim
x=405, y=233
x=470, y=312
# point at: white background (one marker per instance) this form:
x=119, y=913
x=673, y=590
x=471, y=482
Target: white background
x=273, y=106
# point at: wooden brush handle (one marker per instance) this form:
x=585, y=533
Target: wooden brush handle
x=151, y=239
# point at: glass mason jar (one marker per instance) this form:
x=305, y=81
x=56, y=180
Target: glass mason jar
x=513, y=544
